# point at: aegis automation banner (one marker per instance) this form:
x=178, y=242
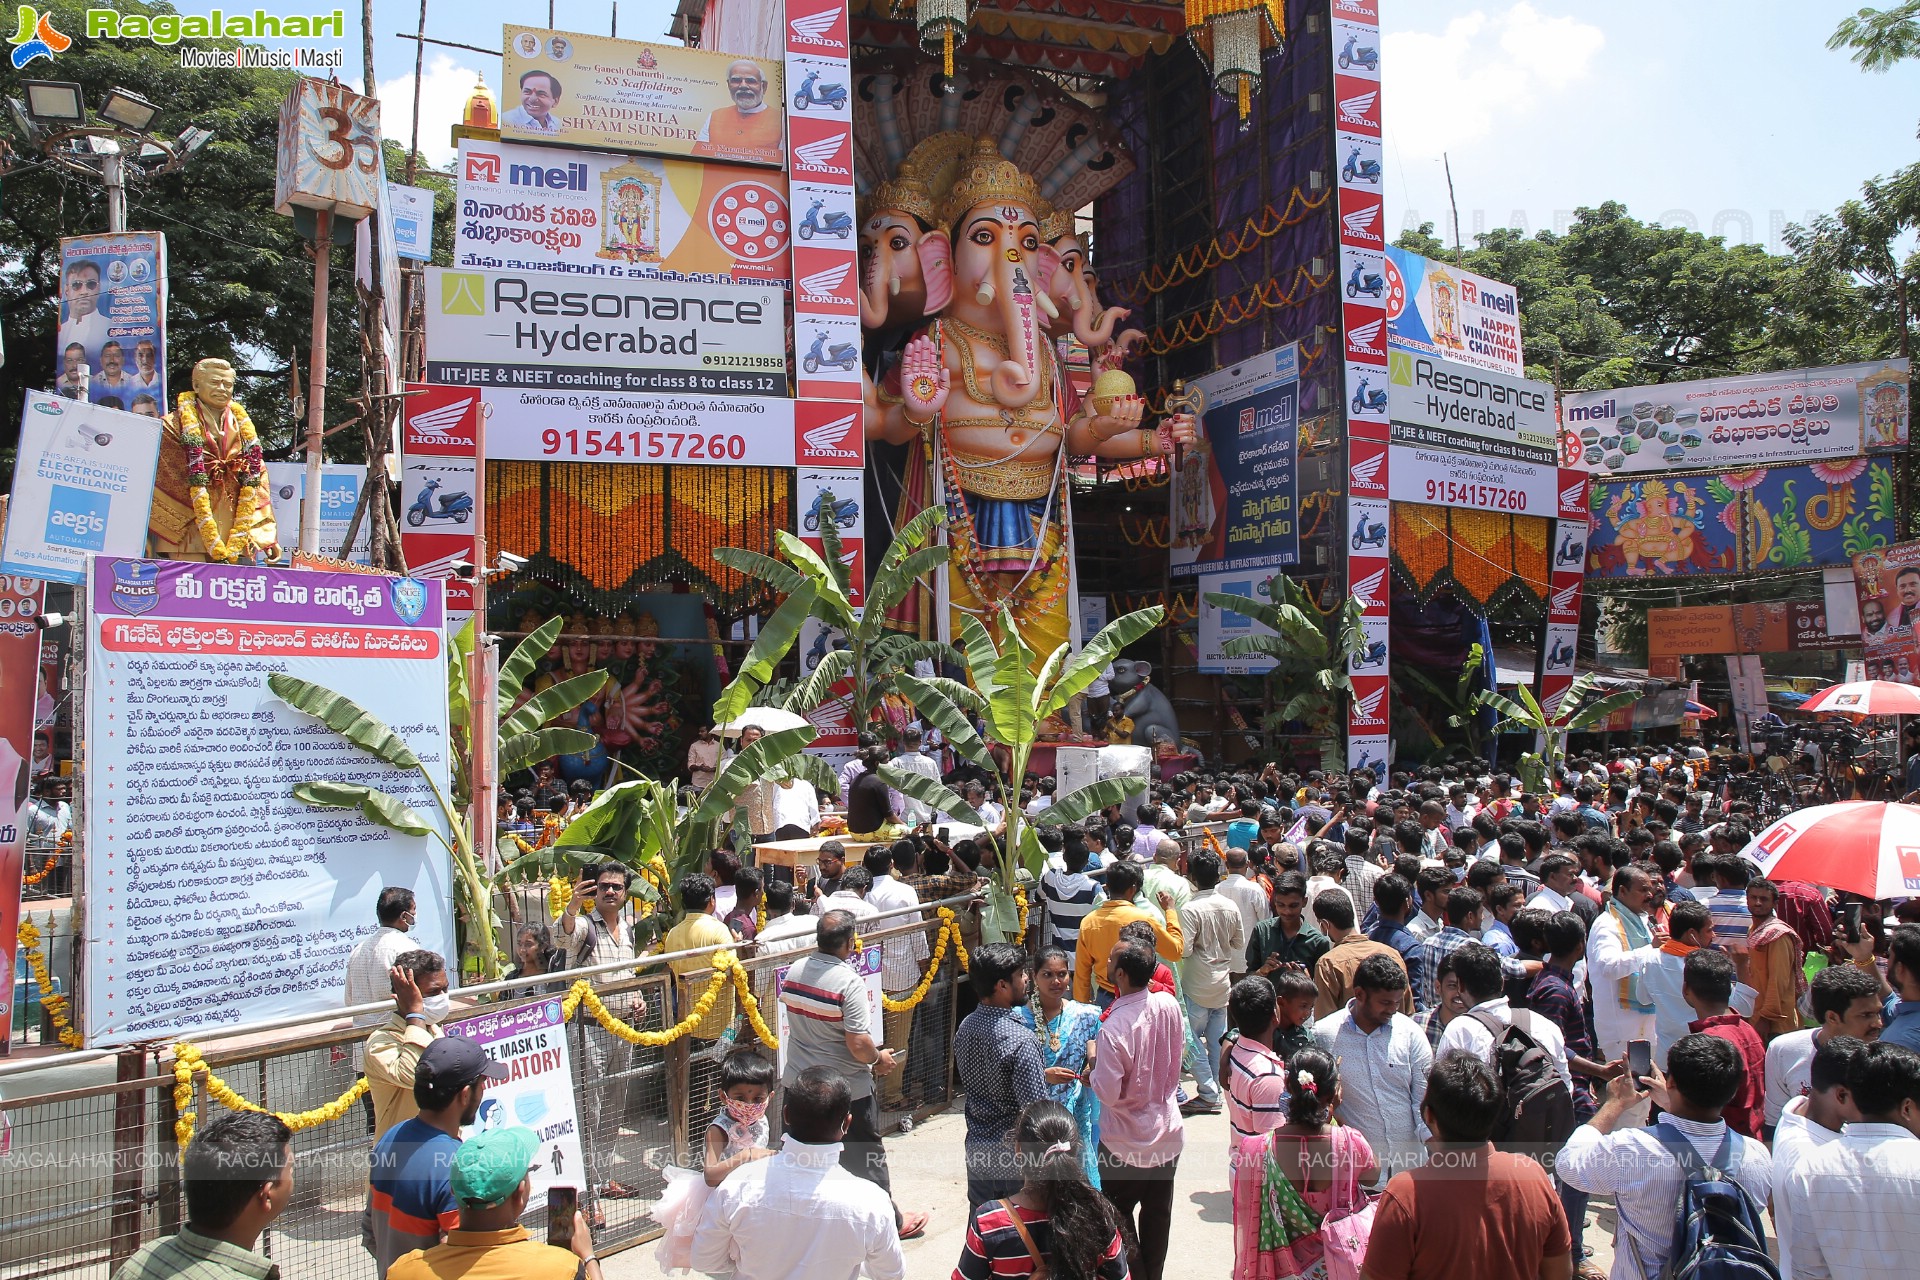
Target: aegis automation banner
x=595, y=91
x=525, y=208
x=536, y=329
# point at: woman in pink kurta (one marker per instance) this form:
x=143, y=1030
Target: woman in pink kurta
x=1325, y=1164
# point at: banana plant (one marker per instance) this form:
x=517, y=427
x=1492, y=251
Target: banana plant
x=368, y=732
x=1455, y=701
x=1311, y=651
x=1012, y=691
x=1577, y=710
x=875, y=657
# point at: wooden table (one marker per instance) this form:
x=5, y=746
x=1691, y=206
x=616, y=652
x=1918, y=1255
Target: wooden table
x=802, y=857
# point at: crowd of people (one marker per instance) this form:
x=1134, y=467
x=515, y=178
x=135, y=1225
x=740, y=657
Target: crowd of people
x=1435, y=1014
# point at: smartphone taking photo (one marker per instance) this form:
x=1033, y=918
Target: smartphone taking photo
x=1640, y=1061
x=563, y=1203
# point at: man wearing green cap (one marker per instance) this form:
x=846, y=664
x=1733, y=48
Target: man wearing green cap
x=492, y=1180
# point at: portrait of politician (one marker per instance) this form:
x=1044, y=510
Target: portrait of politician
x=539, y=92
x=750, y=124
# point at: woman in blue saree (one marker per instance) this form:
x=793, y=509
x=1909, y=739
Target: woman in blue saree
x=1067, y=1030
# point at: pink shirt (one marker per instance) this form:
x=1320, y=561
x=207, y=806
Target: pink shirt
x=1135, y=1075
x=1256, y=1081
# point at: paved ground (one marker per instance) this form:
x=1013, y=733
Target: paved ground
x=927, y=1175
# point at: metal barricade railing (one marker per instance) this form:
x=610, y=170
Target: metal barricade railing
x=88, y=1174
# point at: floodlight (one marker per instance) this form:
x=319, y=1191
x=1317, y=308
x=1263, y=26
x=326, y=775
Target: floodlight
x=55, y=102
x=193, y=137
x=128, y=110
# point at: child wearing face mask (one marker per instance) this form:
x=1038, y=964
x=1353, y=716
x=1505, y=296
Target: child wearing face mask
x=737, y=1135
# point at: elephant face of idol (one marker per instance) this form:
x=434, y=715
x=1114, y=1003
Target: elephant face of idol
x=900, y=267
x=1076, y=288
x=1002, y=274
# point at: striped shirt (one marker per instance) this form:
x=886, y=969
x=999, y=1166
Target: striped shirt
x=411, y=1190
x=1732, y=922
x=826, y=1001
x=1256, y=1082
x=1069, y=896
x=994, y=1247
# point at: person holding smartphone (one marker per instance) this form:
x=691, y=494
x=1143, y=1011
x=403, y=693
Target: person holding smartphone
x=492, y=1178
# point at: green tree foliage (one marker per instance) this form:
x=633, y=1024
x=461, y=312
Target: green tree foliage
x=240, y=278
x=1879, y=38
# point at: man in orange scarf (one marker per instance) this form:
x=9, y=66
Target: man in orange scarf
x=749, y=129
x=1774, y=964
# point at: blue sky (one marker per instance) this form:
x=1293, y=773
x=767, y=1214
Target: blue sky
x=1728, y=117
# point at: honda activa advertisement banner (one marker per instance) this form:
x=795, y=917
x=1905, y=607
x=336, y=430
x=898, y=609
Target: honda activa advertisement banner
x=1438, y=309
x=82, y=486
x=1233, y=497
x=526, y=208
x=535, y=329
x=1797, y=415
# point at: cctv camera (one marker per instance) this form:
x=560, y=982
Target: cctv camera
x=510, y=563
x=48, y=621
x=463, y=570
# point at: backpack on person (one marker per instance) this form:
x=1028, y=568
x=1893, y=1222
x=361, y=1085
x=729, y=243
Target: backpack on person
x=1536, y=1111
x=1717, y=1231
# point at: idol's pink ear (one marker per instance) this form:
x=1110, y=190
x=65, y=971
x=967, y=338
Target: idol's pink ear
x=1046, y=265
x=936, y=263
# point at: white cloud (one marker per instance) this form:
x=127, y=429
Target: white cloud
x=1446, y=90
x=445, y=86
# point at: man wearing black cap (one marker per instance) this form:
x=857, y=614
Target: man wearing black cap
x=410, y=1202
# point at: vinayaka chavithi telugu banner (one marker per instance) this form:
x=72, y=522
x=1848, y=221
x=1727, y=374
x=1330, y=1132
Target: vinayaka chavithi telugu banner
x=627, y=95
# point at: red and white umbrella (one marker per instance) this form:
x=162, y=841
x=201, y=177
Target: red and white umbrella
x=1863, y=846
x=1867, y=698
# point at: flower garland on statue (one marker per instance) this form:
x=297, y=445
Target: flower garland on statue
x=253, y=471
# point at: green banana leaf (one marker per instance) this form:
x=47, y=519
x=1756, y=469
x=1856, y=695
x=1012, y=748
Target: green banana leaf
x=523, y=749
x=1093, y=658
x=459, y=649
x=553, y=702
x=750, y=766
x=936, y=708
x=782, y=577
x=345, y=717
x=376, y=806
x=525, y=656
x=935, y=795
x=1083, y=802
x=769, y=647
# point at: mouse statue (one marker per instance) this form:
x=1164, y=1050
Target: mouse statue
x=1139, y=700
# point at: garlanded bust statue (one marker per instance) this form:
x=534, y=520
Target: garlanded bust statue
x=210, y=499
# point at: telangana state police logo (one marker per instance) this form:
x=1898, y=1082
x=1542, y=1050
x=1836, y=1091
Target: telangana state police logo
x=136, y=586
x=409, y=599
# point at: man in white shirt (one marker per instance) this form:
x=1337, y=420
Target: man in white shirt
x=1851, y=1203
x=796, y=809
x=1216, y=946
x=1557, y=875
x=1808, y=1123
x=1244, y=893
x=1638, y=1166
x=1385, y=1059
x=913, y=760
x=1846, y=1000
x=1620, y=946
x=1477, y=966
x=903, y=960
x=851, y=896
x=1690, y=928
x=799, y=1215
x=370, y=966
x=786, y=930
x=84, y=323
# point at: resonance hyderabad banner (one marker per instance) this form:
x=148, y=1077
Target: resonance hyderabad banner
x=214, y=898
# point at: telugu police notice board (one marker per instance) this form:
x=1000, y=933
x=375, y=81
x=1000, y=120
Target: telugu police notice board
x=214, y=897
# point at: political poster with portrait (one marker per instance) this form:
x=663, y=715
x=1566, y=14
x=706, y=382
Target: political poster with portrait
x=112, y=343
x=531, y=1043
x=82, y=486
x=634, y=217
x=1887, y=580
x=628, y=95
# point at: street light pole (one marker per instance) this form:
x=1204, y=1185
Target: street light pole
x=113, y=175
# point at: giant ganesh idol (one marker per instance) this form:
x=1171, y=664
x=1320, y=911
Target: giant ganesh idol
x=980, y=390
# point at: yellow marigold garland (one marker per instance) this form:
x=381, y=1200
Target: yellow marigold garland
x=559, y=894
x=188, y=1063
x=246, y=505
x=949, y=928
x=52, y=1001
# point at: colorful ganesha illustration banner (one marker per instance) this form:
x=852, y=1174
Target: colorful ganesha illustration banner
x=1749, y=521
